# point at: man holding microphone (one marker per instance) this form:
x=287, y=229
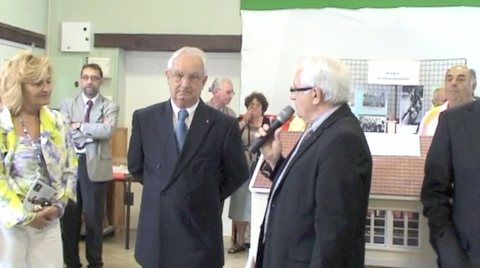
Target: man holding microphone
x=317, y=206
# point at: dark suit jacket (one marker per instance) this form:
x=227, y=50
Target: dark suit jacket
x=454, y=159
x=180, y=224
x=318, y=213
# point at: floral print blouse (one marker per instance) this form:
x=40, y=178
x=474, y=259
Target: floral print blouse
x=59, y=158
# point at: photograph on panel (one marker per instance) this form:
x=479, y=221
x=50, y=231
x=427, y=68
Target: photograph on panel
x=373, y=123
x=351, y=99
x=374, y=99
x=411, y=105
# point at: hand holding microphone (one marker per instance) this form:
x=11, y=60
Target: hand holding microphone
x=271, y=148
x=247, y=117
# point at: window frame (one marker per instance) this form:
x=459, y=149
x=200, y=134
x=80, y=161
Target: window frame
x=389, y=234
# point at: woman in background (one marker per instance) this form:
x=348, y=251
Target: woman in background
x=240, y=201
x=37, y=169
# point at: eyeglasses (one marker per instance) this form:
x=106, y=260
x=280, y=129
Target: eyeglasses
x=254, y=105
x=230, y=93
x=295, y=89
x=177, y=77
x=94, y=78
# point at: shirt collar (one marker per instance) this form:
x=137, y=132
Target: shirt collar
x=322, y=117
x=85, y=98
x=444, y=106
x=190, y=110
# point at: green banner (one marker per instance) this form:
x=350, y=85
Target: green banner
x=350, y=4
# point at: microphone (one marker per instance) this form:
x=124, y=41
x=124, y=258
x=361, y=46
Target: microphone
x=285, y=114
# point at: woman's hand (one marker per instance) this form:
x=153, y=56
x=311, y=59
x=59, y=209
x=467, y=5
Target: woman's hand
x=247, y=118
x=53, y=212
x=42, y=219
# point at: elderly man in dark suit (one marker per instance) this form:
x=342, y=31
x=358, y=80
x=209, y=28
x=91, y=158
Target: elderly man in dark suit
x=189, y=158
x=317, y=207
x=450, y=192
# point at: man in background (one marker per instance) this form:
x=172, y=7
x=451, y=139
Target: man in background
x=222, y=91
x=297, y=124
x=474, y=77
x=317, y=207
x=451, y=187
x=438, y=97
x=93, y=120
x=460, y=84
x=189, y=158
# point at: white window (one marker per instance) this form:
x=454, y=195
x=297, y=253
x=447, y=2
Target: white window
x=392, y=228
x=376, y=226
x=406, y=232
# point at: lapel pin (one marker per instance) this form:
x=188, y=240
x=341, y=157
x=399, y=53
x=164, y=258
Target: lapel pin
x=208, y=121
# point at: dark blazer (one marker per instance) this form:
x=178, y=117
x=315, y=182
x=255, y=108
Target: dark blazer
x=180, y=224
x=318, y=212
x=453, y=212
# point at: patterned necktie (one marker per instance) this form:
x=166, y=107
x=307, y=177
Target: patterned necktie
x=86, y=118
x=181, y=131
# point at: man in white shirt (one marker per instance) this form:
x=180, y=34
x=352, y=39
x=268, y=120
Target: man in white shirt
x=189, y=158
x=93, y=120
x=222, y=91
x=459, y=86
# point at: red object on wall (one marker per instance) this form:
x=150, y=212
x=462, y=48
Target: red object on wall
x=286, y=124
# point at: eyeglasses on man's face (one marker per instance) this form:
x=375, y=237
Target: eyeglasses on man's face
x=178, y=77
x=94, y=78
x=230, y=93
x=297, y=89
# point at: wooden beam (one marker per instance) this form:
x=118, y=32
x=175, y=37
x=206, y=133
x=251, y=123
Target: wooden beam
x=169, y=42
x=19, y=35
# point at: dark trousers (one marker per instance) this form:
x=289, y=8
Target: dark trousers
x=91, y=198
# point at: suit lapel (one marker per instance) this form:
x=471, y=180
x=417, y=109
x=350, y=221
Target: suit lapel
x=97, y=110
x=308, y=141
x=164, y=124
x=472, y=124
x=196, y=133
x=79, y=110
x=164, y=127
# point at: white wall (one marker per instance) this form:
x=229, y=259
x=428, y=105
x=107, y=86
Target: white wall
x=9, y=49
x=273, y=40
x=156, y=16
x=30, y=15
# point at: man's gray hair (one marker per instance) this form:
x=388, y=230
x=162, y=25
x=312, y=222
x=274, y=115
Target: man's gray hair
x=218, y=83
x=473, y=78
x=327, y=72
x=192, y=51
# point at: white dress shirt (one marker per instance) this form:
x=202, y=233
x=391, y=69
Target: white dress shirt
x=191, y=112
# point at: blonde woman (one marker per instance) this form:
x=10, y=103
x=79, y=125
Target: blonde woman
x=38, y=166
